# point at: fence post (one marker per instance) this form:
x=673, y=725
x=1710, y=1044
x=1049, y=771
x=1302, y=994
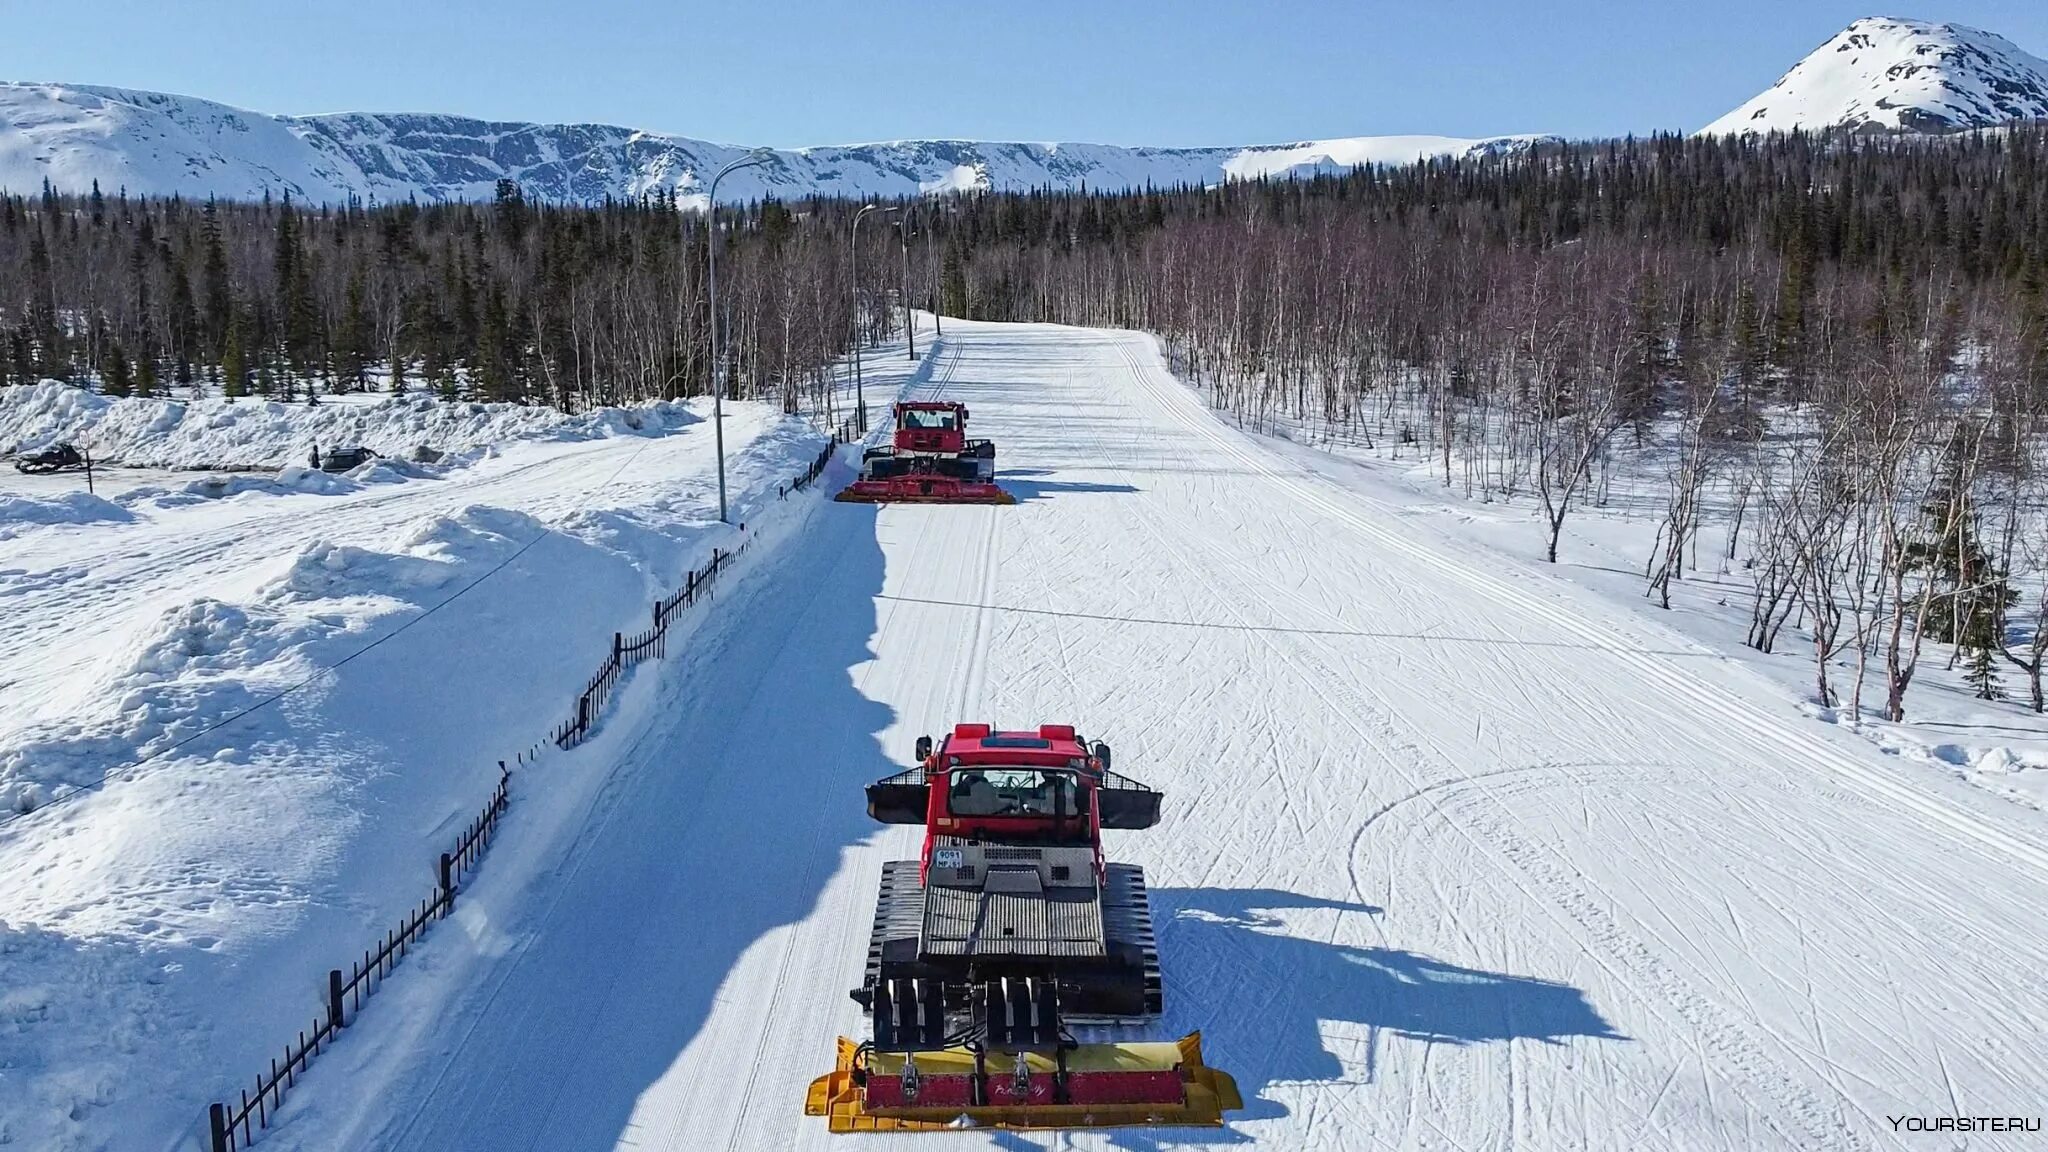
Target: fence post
x=447, y=884
x=217, y=1120
x=334, y=1018
x=583, y=713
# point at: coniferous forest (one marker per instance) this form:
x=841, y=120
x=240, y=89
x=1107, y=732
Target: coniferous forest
x=507, y=301
x=1780, y=249
x=1841, y=341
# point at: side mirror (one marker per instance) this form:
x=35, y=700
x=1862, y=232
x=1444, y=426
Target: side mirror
x=1101, y=752
x=924, y=749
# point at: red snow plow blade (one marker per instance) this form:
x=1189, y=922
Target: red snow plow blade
x=923, y=489
x=1100, y=1086
x=928, y=460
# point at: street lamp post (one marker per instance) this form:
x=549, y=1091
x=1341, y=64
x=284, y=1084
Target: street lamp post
x=751, y=159
x=909, y=323
x=860, y=396
x=931, y=263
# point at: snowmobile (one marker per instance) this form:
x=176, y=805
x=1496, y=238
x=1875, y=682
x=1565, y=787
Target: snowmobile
x=55, y=458
x=341, y=459
x=929, y=461
x=1009, y=928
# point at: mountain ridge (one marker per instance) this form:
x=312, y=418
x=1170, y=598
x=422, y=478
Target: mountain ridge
x=1888, y=73
x=160, y=143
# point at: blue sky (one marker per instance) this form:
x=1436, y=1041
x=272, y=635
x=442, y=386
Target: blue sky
x=795, y=72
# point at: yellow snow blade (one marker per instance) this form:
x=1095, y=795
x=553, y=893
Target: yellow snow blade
x=1208, y=1092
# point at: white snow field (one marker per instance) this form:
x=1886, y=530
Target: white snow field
x=160, y=936
x=1456, y=855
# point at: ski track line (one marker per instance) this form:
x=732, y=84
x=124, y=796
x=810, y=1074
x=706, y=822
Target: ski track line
x=1827, y=1072
x=969, y=686
x=1278, y=981
x=1769, y=731
x=1617, y=646
x=1820, y=1063
x=1742, y=1052
x=602, y=810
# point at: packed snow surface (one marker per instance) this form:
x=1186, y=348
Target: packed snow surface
x=1457, y=854
x=1884, y=73
x=323, y=672
x=160, y=144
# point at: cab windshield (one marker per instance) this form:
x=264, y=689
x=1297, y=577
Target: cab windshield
x=941, y=419
x=1013, y=792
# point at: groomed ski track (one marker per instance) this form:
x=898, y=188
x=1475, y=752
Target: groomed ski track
x=1455, y=856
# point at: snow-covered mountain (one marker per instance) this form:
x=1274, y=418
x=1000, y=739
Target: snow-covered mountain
x=150, y=142
x=1890, y=74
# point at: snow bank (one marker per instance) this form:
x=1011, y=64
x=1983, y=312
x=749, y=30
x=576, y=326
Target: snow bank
x=2001, y=764
x=170, y=923
x=429, y=556
x=20, y=512
x=294, y=480
x=207, y=660
x=179, y=913
x=219, y=433
x=71, y=1018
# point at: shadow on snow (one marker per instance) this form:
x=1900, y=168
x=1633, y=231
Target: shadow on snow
x=735, y=814
x=1261, y=995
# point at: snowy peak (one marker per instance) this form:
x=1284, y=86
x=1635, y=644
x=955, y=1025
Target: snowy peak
x=1885, y=74
x=151, y=143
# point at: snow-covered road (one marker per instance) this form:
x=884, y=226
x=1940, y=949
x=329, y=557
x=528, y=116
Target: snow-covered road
x=1455, y=856
x=295, y=696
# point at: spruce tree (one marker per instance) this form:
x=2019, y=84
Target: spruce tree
x=115, y=379
x=268, y=378
x=352, y=343
x=953, y=273
x=1981, y=674
x=1971, y=592
x=220, y=301
x=234, y=366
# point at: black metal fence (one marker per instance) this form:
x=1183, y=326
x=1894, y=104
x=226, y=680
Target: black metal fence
x=651, y=644
x=235, y=1125
x=232, y=1126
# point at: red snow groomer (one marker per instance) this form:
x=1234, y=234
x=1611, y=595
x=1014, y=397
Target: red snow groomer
x=1009, y=928
x=930, y=461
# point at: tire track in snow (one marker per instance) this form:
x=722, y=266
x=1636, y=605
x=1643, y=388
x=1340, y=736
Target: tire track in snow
x=1766, y=732
x=1704, y=698
x=1736, y=1049
x=969, y=653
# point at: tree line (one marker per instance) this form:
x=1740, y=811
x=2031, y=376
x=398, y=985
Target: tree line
x=505, y=301
x=1835, y=347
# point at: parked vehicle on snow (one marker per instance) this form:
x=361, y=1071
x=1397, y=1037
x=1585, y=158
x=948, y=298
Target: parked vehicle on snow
x=342, y=459
x=929, y=461
x=1008, y=930
x=56, y=458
